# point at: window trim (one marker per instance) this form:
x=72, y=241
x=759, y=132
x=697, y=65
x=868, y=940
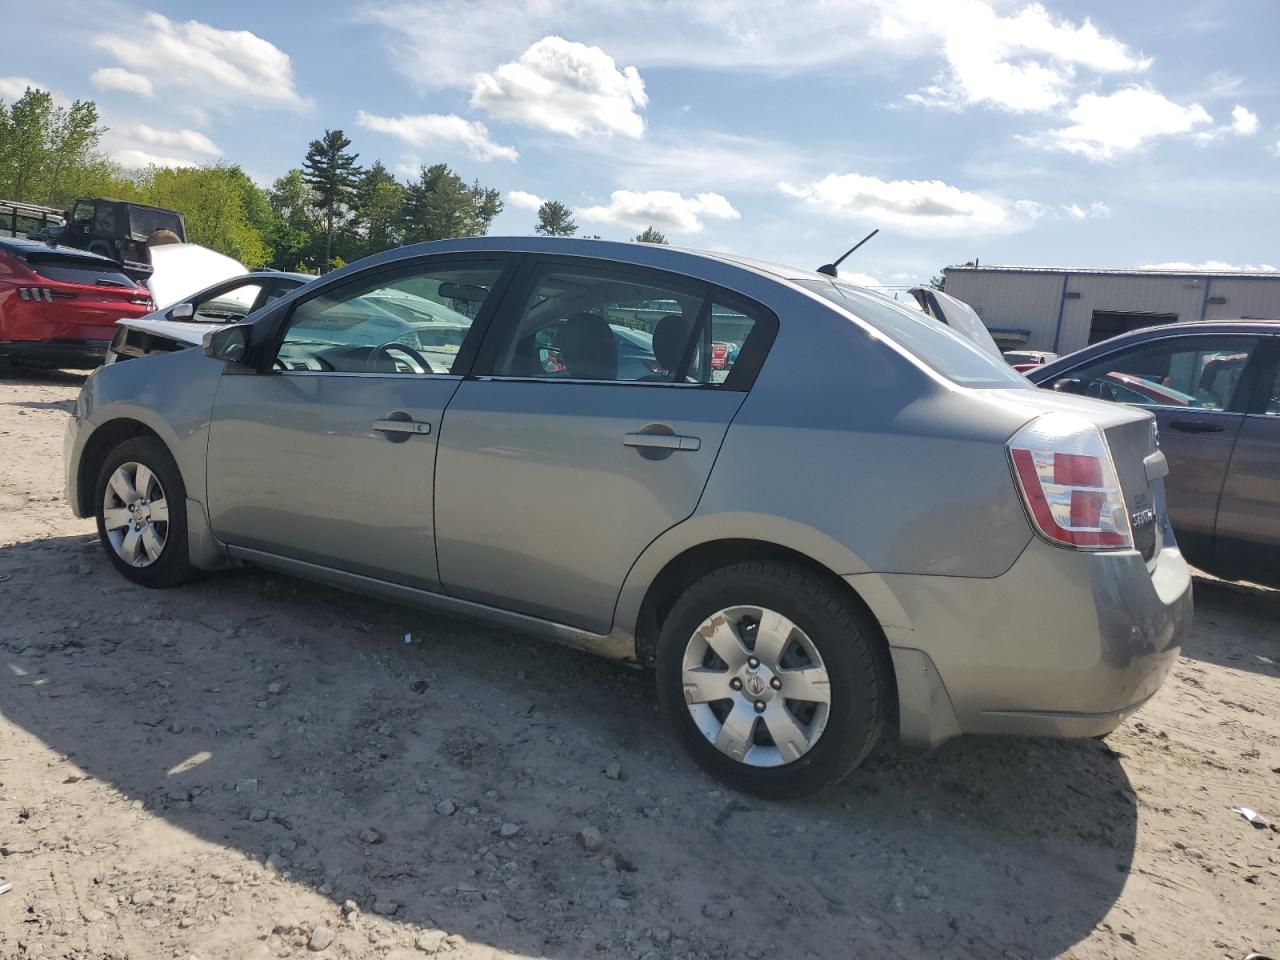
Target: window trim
x=1267, y=375
x=1244, y=387
x=278, y=323
x=756, y=346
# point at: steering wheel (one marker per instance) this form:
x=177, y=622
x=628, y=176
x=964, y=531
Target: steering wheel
x=416, y=361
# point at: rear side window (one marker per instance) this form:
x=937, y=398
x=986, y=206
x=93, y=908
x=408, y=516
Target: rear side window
x=70, y=269
x=624, y=324
x=932, y=341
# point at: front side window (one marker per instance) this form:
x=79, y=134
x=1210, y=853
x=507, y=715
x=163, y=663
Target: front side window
x=1196, y=373
x=227, y=306
x=410, y=321
x=83, y=213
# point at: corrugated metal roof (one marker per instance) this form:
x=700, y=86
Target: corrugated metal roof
x=1118, y=272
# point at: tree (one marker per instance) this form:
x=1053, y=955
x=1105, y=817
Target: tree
x=296, y=230
x=650, y=235
x=48, y=152
x=555, y=220
x=212, y=201
x=938, y=282
x=331, y=172
x=441, y=205
x=381, y=210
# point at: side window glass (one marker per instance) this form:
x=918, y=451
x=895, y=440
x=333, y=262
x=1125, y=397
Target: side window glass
x=729, y=330
x=1271, y=398
x=1194, y=372
x=601, y=324
x=410, y=322
x=227, y=306
x=278, y=290
x=83, y=213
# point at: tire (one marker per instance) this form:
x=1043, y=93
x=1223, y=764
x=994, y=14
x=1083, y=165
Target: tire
x=170, y=565
x=823, y=746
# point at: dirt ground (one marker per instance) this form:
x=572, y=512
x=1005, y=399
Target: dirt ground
x=253, y=766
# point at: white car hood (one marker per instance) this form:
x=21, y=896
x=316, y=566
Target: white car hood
x=181, y=269
x=178, y=330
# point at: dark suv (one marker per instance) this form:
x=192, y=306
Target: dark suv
x=119, y=229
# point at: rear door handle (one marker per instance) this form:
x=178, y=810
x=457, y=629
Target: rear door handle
x=402, y=426
x=1195, y=426
x=662, y=441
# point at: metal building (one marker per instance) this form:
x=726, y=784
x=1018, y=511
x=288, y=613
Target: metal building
x=1064, y=308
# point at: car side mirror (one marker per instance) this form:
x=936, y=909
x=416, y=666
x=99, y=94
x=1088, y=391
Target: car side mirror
x=230, y=345
x=1069, y=385
x=182, y=311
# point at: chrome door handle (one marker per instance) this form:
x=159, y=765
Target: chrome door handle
x=661, y=441
x=402, y=426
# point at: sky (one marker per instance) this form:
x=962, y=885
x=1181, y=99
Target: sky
x=1057, y=133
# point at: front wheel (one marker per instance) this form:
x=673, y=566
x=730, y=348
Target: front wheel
x=142, y=514
x=775, y=680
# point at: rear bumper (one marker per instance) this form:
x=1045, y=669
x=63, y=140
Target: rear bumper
x=75, y=353
x=1062, y=644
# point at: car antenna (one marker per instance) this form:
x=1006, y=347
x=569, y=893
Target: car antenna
x=830, y=268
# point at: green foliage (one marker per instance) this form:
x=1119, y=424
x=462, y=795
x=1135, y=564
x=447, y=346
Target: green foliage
x=48, y=153
x=295, y=226
x=441, y=205
x=381, y=207
x=212, y=200
x=650, y=235
x=555, y=220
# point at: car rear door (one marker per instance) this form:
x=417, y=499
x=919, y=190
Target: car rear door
x=1247, y=538
x=1189, y=382
x=558, y=464
x=325, y=452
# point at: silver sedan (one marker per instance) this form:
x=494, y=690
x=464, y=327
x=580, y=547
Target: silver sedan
x=815, y=514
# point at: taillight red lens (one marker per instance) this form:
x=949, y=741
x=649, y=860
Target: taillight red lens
x=1069, y=484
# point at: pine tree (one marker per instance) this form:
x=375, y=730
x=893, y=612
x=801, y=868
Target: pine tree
x=650, y=235
x=332, y=173
x=555, y=220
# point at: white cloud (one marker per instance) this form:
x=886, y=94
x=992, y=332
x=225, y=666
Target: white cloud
x=190, y=141
x=118, y=78
x=135, y=159
x=1214, y=266
x=1095, y=211
x=420, y=130
x=566, y=87
x=1024, y=62
x=218, y=66
x=991, y=51
x=524, y=200
x=12, y=88
x=1104, y=126
x=663, y=209
x=1243, y=122
x=922, y=207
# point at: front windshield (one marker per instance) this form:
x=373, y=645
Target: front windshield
x=930, y=340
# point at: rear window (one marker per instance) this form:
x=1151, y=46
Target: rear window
x=71, y=269
x=932, y=341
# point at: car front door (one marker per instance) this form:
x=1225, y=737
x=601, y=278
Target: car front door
x=1189, y=382
x=1247, y=540
x=325, y=452
x=558, y=464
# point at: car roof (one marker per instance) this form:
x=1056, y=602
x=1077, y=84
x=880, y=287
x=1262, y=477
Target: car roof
x=1143, y=334
x=21, y=245
x=282, y=275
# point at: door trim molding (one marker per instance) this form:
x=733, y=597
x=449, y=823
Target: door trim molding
x=615, y=646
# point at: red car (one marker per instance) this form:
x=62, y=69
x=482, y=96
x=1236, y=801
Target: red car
x=59, y=306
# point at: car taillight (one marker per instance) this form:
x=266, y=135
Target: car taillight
x=35, y=293
x=1069, y=484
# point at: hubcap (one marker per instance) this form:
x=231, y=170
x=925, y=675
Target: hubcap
x=135, y=514
x=756, y=686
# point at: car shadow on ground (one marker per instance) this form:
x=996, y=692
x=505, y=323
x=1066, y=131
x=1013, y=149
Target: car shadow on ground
x=281, y=720
x=17, y=374
x=1251, y=615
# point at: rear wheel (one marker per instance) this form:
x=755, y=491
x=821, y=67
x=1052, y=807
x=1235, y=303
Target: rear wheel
x=774, y=679
x=142, y=514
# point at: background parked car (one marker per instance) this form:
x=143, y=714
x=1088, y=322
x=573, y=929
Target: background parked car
x=1024, y=360
x=772, y=535
x=1214, y=388
x=58, y=306
x=119, y=229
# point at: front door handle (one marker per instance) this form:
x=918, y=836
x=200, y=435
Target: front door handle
x=1195, y=426
x=402, y=426
x=661, y=441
